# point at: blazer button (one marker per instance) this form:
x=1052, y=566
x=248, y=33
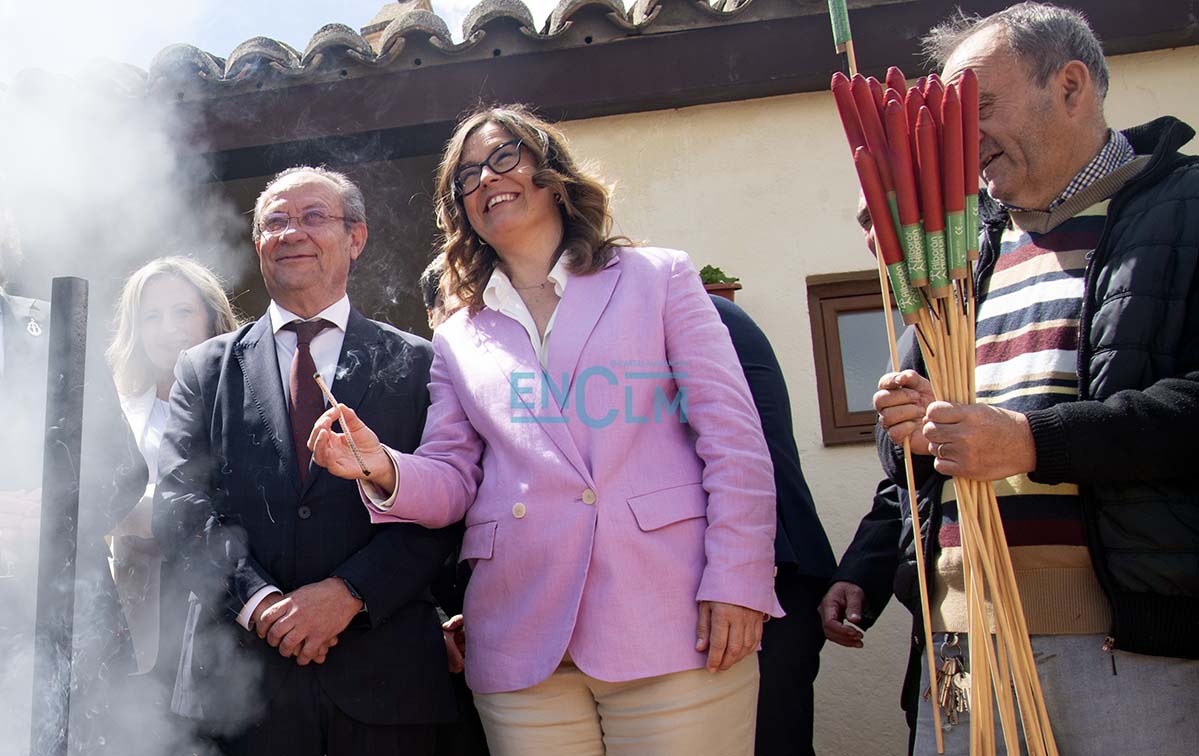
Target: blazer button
x=588, y=496
x=304, y=512
x=518, y=510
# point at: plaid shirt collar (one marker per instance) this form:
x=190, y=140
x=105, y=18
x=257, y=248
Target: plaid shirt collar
x=1115, y=153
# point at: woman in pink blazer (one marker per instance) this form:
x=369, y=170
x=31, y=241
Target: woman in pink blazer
x=591, y=424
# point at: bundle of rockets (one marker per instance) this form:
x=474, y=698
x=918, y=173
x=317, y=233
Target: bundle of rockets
x=916, y=151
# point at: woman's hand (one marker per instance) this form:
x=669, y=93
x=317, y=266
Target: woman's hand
x=453, y=631
x=728, y=632
x=332, y=451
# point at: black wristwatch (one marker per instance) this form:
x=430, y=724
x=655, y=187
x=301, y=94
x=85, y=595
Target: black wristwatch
x=354, y=592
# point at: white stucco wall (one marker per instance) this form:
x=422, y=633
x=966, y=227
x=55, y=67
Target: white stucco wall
x=765, y=189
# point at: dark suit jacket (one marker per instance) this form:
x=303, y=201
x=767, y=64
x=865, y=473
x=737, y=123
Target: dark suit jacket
x=799, y=537
x=112, y=479
x=230, y=510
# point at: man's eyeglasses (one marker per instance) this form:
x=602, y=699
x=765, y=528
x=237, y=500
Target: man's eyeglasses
x=501, y=160
x=276, y=224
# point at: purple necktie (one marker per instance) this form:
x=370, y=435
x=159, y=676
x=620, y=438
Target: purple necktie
x=306, y=404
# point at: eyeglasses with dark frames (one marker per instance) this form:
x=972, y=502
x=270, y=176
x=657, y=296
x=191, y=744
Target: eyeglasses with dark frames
x=276, y=224
x=502, y=159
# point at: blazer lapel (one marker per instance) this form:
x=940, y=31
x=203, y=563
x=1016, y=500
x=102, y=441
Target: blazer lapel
x=260, y=365
x=355, y=366
x=356, y=362
x=578, y=313
x=507, y=343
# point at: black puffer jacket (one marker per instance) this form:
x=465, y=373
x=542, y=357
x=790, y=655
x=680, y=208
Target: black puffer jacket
x=1131, y=442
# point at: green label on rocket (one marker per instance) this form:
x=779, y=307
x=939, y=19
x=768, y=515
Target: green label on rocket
x=912, y=237
x=938, y=273
x=906, y=298
x=972, y=227
x=955, y=232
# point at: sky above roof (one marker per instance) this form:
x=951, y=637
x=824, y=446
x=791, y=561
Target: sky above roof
x=51, y=34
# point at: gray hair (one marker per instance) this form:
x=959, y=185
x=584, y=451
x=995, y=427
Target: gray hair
x=353, y=205
x=1045, y=37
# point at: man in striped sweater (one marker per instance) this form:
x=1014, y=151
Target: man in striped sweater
x=1088, y=392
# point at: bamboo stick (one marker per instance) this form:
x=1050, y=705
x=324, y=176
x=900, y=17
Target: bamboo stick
x=917, y=538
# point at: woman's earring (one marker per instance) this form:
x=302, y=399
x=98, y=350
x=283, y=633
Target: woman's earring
x=558, y=198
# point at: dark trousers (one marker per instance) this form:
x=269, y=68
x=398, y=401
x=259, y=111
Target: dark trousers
x=788, y=663
x=302, y=721
x=464, y=737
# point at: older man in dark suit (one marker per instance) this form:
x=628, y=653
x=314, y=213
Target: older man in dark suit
x=282, y=554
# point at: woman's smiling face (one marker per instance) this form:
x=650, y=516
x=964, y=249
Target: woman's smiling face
x=506, y=207
x=171, y=318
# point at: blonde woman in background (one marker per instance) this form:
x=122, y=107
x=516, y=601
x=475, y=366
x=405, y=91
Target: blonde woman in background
x=168, y=305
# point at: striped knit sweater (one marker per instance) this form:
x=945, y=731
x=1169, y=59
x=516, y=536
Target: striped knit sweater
x=1026, y=349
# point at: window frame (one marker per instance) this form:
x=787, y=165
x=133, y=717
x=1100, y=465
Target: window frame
x=829, y=296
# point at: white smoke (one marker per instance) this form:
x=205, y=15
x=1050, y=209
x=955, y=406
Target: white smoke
x=95, y=180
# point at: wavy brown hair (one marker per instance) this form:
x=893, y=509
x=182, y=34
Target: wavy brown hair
x=586, y=216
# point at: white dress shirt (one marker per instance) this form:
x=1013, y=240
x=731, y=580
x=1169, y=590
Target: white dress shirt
x=325, y=349
x=499, y=295
x=138, y=578
x=151, y=438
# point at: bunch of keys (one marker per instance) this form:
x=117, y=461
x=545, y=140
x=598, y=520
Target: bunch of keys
x=952, y=681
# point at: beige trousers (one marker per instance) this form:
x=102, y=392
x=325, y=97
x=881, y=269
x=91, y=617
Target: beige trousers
x=571, y=714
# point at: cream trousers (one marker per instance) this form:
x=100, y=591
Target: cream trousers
x=571, y=714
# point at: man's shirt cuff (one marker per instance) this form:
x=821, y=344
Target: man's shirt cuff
x=247, y=611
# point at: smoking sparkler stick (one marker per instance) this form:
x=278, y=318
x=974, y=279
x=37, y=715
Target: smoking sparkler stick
x=342, y=416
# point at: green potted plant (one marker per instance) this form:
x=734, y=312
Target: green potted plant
x=717, y=283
